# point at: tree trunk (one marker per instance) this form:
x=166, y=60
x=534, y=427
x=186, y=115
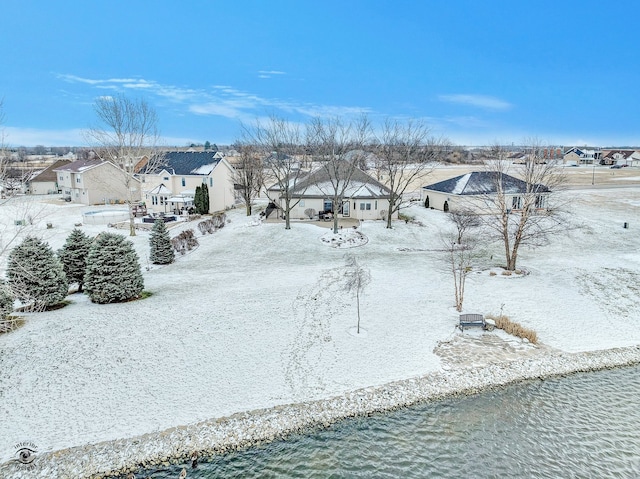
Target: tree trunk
x=358, y=303
x=132, y=223
x=248, y=209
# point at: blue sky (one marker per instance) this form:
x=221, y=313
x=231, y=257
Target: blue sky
x=566, y=72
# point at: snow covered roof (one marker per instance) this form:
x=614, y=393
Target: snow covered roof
x=161, y=189
x=185, y=163
x=318, y=184
x=482, y=183
x=79, y=166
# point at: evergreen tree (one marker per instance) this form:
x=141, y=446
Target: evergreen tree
x=207, y=145
x=113, y=271
x=35, y=275
x=197, y=200
x=74, y=256
x=162, y=251
x=6, y=301
x=205, y=199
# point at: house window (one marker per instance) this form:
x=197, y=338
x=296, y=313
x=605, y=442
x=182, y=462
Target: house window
x=365, y=206
x=328, y=205
x=184, y=182
x=165, y=178
x=516, y=203
x=541, y=201
x=211, y=182
x=61, y=177
x=154, y=200
x=376, y=205
x=78, y=180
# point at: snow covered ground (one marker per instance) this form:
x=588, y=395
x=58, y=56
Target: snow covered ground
x=258, y=316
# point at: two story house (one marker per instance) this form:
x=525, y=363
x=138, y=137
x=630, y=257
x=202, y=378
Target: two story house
x=92, y=182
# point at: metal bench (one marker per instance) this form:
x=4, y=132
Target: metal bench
x=470, y=320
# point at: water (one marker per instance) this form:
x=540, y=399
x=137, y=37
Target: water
x=583, y=426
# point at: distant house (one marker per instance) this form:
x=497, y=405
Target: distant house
x=365, y=198
x=471, y=190
x=46, y=182
x=92, y=182
x=621, y=157
x=171, y=186
x=581, y=156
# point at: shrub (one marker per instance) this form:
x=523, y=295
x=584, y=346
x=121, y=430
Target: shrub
x=113, y=270
x=310, y=212
x=503, y=322
x=6, y=301
x=185, y=241
x=406, y=218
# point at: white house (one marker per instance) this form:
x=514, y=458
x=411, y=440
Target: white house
x=581, y=156
x=471, y=190
x=365, y=198
x=95, y=181
x=172, y=185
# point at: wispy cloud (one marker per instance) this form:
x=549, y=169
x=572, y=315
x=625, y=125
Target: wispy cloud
x=15, y=136
x=269, y=73
x=480, y=101
x=221, y=100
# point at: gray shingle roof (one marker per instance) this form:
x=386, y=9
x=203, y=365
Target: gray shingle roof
x=482, y=183
x=188, y=162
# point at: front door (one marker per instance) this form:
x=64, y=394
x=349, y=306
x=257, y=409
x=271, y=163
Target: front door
x=345, y=208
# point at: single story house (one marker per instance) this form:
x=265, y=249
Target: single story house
x=46, y=182
x=95, y=181
x=365, y=198
x=471, y=190
x=172, y=184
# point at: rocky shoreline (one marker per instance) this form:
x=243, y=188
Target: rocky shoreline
x=241, y=430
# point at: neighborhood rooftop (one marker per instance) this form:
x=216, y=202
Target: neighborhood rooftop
x=189, y=162
x=481, y=183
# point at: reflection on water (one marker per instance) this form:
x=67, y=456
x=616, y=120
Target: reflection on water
x=586, y=425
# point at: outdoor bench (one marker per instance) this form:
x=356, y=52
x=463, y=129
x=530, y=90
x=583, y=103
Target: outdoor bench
x=470, y=320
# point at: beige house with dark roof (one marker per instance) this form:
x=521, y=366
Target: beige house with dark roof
x=93, y=182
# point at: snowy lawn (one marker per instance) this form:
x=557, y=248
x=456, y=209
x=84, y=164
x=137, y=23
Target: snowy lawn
x=258, y=316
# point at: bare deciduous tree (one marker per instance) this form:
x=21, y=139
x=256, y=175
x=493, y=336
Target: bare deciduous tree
x=464, y=219
x=459, y=259
x=404, y=154
x=357, y=278
x=338, y=148
x=534, y=214
x=127, y=136
x=248, y=175
x=278, y=143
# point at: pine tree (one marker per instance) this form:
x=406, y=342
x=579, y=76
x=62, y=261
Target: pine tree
x=197, y=200
x=35, y=275
x=205, y=199
x=162, y=251
x=113, y=270
x=6, y=301
x=73, y=256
